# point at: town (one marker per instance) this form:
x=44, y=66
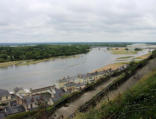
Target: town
x=23, y=100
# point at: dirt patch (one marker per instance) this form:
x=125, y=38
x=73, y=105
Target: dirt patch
x=110, y=66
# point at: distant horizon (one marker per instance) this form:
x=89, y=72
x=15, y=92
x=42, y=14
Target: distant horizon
x=73, y=42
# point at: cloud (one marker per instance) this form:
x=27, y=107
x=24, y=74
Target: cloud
x=77, y=20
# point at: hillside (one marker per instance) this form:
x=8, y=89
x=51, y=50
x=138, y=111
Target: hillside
x=139, y=102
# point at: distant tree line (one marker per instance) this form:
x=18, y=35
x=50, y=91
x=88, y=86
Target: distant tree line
x=115, y=44
x=40, y=52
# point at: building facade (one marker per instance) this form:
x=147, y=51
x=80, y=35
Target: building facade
x=5, y=97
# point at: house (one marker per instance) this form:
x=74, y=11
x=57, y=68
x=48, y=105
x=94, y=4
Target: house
x=33, y=101
x=28, y=102
x=80, y=86
x=5, y=97
x=70, y=86
x=14, y=109
x=23, y=92
x=74, y=86
x=48, y=89
x=59, y=92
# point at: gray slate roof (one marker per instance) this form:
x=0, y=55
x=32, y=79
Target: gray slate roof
x=59, y=93
x=2, y=116
x=32, y=99
x=3, y=93
x=14, y=109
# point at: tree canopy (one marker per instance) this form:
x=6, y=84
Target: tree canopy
x=40, y=52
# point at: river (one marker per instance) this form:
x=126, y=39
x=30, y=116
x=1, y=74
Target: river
x=49, y=72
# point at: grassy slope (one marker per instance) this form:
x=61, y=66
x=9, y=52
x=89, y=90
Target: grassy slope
x=136, y=103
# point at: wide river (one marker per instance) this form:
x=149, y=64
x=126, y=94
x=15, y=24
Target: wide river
x=48, y=72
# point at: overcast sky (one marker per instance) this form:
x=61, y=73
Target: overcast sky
x=77, y=20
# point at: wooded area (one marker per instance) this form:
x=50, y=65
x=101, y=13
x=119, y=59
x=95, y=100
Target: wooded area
x=40, y=52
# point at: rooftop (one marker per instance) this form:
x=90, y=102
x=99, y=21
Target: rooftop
x=3, y=93
x=14, y=109
x=44, y=88
x=2, y=116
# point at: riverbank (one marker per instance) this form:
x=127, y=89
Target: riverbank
x=29, y=62
x=122, y=50
x=143, y=57
x=21, y=62
x=123, y=58
x=113, y=66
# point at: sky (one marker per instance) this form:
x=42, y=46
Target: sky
x=77, y=21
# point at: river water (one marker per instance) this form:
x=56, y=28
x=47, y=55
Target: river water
x=49, y=72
